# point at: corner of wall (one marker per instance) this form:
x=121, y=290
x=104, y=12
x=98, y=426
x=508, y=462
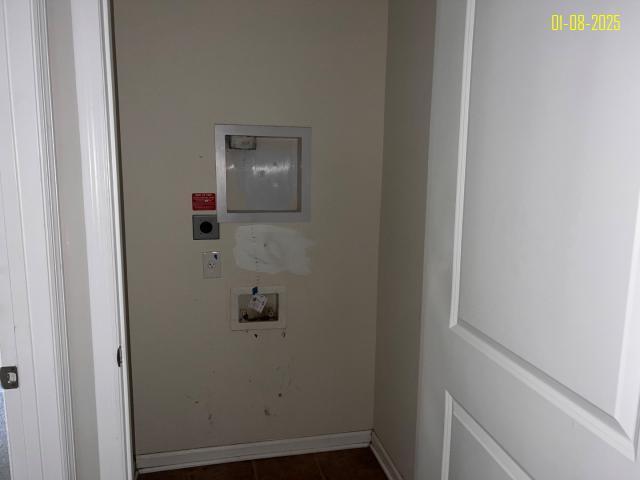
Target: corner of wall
x=402, y=219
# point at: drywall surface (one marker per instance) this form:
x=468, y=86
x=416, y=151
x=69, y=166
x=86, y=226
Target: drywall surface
x=271, y=249
x=181, y=69
x=74, y=255
x=407, y=107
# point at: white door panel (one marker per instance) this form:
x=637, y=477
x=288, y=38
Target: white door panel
x=551, y=190
x=470, y=451
x=531, y=326
x=469, y=457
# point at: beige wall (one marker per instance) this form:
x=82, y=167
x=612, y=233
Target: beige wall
x=408, y=91
x=67, y=146
x=181, y=69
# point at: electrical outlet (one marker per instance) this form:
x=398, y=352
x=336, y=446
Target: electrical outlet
x=205, y=227
x=211, y=265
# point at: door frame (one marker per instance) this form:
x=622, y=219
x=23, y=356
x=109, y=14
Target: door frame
x=95, y=88
x=44, y=427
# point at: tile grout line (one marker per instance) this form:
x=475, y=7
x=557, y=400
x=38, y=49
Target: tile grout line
x=315, y=459
x=255, y=469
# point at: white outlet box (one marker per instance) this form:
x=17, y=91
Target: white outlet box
x=211, y=265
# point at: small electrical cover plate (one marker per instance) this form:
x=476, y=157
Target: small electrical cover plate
x=211, y=265
x=206, y=227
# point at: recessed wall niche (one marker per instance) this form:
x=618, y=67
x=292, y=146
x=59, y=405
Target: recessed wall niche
x=263, y=173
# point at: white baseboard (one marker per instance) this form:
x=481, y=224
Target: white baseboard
x=155, y=462
x=384, y=459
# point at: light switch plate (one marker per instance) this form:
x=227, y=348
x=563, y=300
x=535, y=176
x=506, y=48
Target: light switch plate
x=211, y=265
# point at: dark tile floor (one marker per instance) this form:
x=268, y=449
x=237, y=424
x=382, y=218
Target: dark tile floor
x=355, y=464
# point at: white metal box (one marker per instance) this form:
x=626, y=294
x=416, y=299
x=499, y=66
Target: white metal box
x=263, y=174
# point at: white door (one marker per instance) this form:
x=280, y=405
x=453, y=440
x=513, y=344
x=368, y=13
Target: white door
x=14, y=403
x=14, y=437
x=531, y=328
x=12, y=454
x=35, y=437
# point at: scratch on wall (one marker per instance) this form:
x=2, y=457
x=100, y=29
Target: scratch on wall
x=269, y=249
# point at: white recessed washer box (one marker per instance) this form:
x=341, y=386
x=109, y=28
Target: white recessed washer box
x=263, y=173
x=273, y=316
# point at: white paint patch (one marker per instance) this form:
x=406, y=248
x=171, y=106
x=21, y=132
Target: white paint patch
x=269, y=249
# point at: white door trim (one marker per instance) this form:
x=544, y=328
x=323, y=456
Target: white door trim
x=100, y=175
x=32, y=229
